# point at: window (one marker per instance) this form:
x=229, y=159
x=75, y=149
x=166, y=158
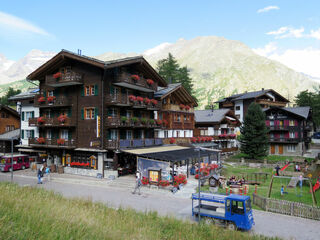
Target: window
x=89, y=113
x=178, y=118
x=47, y=114
x=113, y=134
x=237, y=207
x=185, y=118
x=237, y=108
x=49, y=134
x=4, y=115
x=178, y=133
x=291, y=123
x=129, y=114
x=185, y=134
x=248, y=205
x=50, y=94
x=271, y=123
x=28, y=115
x=165, y=134
x=29, y=134
x=128, y=134
x=64, y=134
x=204, y=132
x=9, y=128
x=113, y=112
x=91, y=90
x=291, y=148
x=292, y=135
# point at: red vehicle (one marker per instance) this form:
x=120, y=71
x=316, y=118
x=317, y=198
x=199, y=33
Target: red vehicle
x=19, y=162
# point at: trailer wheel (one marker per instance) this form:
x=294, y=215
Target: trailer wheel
x=231, y=226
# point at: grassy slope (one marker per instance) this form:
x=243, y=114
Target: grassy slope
x=23, y=85
x=32, y=213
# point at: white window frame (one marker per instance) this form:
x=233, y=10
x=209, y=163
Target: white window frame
x=291, y=148
x=64, y=134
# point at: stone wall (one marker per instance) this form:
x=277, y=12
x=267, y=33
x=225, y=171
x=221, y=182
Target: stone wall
x=81, y=171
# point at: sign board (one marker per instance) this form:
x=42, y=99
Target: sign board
x=98, y=126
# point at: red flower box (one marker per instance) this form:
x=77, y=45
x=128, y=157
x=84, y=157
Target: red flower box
x=164, y=183
x=51, y=99
x=146, y=101
x=132, y=98
x=60, y=141
x=193, y=139
x=154, y=102
x=62, y=118
x=135, y=77
x=165, y=122
x=187, y=107
x=41, y=140
x=172, y=140
x=159, y=121
x=150, y=81
x=232, y=135
x=41, y=99
x=57, y=75
x=41, y=120
x=140, y=99
x=145, y=181
x=180, y=179
x=182, y=106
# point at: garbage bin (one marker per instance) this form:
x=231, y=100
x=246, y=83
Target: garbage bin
x=53, y=168
x=60, y=169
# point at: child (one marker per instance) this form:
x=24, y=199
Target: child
x=282, y=190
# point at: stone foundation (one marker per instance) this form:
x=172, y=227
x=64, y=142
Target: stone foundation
x=81, y=171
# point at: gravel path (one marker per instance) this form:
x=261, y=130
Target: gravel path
x=268, y=224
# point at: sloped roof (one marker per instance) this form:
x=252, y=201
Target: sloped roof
x=166, y=90
x=25, y=95
x=9, y=135
x=210, y=116
x=60, y=57
x=9, y=109
x=300, y=111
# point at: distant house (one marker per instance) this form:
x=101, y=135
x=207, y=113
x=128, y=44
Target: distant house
x=9, y=119
x=239, y=103
x=290, y=130
x=25, y=105
x=177, y=113
x=5, y=141
x=221, y=125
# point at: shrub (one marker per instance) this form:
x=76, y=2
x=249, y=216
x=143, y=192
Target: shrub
x=143, y=120
x=154, y=102
x=159, y=121
x=151, y=121
x=62, y=118
x=146, y=101
x=140, y=99
x=60, y=141
x=132, y=98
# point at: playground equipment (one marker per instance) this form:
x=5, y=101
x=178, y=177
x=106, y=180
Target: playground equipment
x=284, y=167
x=316, y=186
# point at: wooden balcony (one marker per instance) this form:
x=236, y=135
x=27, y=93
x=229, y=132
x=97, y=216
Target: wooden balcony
x=269, y=102
x=232, y=149
x=133, y=143
x=52, y=122
x=284, y=140
x=66, y=79
x=60, y=101
x=123, y=100
x=176, y=108
x=227, y=104
x=179, y=140
x=115, y=122
x=125, y=79
x=53, y=143
x=280, y=128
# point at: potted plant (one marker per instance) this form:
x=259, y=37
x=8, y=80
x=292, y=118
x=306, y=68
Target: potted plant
x=41, y=140
x=51, y=99
x=150, y=81
x=41, y=99
x=181, y=106
x=132, y=98
x=151, y=121
x=124, y=119
x=60, y=141
x=172, y=140
x=134, y=119
x=135, y=77
x=140, y=99
x=187, y=107
x=41, y=120
x=193, y=139
x=143, y=120
x=165, y=122
x=146, y=101
x=57, y=75
x=164, y=183
x=62, y=118
x=154, y=102
x=145, y=181
x=159, y=121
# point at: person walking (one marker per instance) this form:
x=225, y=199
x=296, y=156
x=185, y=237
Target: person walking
x=277, y=170
x=40, y=175
x=48, y=174
x=138, y=185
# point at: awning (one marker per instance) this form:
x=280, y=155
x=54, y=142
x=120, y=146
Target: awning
x=154, y=149
x=173, y=153
x=30, y=150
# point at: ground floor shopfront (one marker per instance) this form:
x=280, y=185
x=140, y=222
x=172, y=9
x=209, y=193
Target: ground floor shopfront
x=295, y=149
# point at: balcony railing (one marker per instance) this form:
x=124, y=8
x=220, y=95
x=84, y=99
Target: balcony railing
x=65, y=79
x=126, y=79
x=60, y=101
x=285, y=128
x=117, y=122
x=285, y=140
x=270, y=102
x=232, y=149
x=69, y=143
x=51, y=122
x=134, y=143
x=123, y=100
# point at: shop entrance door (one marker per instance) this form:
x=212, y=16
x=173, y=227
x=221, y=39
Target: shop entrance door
x=273, y=149
x=280, y=149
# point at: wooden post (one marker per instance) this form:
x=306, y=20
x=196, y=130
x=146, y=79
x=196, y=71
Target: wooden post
x=255, y=189
x=270, y=187
x=245, y=190
x=314, y=201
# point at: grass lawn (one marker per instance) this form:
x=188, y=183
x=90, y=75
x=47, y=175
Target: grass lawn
x=33, y=213
x=294, y=194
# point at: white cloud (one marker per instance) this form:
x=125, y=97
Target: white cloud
x=267, y=9
x=287, y=32
x=14, y=23
x=301, y=60
x=315, y=34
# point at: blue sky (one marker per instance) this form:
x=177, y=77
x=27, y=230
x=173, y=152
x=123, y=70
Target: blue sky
x=270, y=27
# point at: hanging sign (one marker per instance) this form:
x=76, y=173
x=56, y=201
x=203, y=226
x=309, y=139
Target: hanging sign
x=98, y=126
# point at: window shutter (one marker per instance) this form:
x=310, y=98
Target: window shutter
x=109, y=134
x=69, y=112
x=96, y=90
x=82, y=114
x=286, y=135
x=69, y=135
x=32, y=114
x=32, y=133
x=22, y=134
x=296, y=134
x=96, y=113
x=268, y=123
x=296, y=123
x=22, y=116
x=82, y=91
x=56, y=92
x=111, y=90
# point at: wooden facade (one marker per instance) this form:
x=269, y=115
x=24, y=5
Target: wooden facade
x=89, y=104
x=9, y=119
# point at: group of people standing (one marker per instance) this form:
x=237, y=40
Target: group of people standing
x=44, y=169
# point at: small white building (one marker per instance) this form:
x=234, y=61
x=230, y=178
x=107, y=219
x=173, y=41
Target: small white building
x=26, y=109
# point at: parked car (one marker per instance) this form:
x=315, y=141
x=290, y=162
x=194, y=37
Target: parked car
x=20, y=161
x=316, y=135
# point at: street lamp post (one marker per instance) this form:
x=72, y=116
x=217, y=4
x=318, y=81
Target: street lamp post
x=11, y=159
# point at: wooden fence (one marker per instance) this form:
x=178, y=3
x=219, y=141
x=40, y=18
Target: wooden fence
x=287, y=207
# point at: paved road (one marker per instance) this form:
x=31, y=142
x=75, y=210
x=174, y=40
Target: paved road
x=268, y=224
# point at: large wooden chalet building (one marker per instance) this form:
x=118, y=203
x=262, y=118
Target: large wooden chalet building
x=89, y=109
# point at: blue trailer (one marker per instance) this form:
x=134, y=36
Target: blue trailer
x=233, y=210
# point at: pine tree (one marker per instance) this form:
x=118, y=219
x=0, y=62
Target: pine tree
x=170, y=70
x=254, y=138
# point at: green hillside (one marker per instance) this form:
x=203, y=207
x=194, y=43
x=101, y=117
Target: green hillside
x=23, y=85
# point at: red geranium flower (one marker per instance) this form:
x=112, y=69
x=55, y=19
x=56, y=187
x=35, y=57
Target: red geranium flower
x=57, y=75
x=150, y=81
x=135, y=77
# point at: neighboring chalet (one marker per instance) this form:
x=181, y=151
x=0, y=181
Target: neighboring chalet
x=176, y=115
x=289, y=130
x=9, y=119
x=5, y=141
x=221, y=125
x=239, y=103
x=91, y=109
